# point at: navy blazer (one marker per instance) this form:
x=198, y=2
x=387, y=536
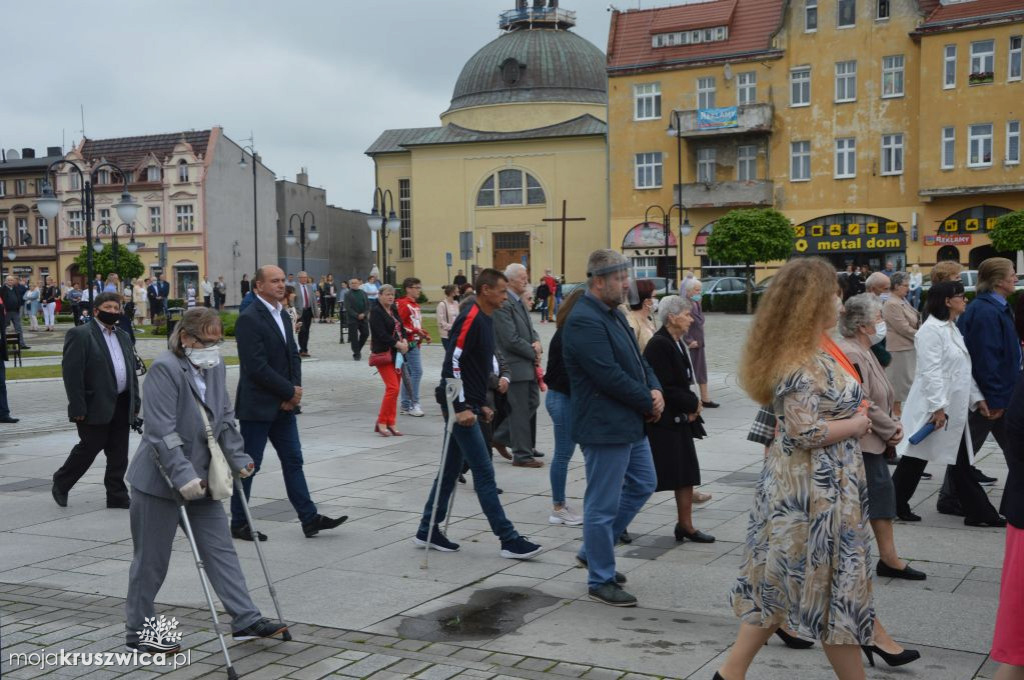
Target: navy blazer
x=1013, y=495
x=991, y=339
x=610, y=381
x=270, y=364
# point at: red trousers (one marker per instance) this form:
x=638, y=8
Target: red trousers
x=389, y=406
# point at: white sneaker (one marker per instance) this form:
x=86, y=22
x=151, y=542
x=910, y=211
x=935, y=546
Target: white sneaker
x=416, y=411
x=565, y=516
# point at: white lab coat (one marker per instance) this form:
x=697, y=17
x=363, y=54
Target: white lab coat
x=943, y=380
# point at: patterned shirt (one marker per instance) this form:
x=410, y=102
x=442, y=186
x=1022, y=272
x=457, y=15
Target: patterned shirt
x=762, y=430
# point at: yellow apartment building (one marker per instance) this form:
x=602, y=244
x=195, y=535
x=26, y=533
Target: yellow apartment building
x=25, y=233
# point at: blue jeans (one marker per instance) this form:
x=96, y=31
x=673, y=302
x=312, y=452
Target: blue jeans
x=914, y=298
x=283, y=433
x=620, y=479
x=468, y=443
x=412, y=371
x=557, y=404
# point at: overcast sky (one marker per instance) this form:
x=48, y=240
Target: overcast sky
x=315, y=81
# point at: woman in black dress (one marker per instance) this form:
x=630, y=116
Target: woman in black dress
x=671, y=437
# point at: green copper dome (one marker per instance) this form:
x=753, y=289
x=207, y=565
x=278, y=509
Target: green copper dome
x=538, y=65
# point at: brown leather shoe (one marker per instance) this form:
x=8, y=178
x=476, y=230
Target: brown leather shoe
x=501, y=449
x=529, y=463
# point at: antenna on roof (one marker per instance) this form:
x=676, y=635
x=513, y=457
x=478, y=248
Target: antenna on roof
x=82, y=110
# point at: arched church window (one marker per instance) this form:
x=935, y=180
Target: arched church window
x=182, y=170
x=510, y=188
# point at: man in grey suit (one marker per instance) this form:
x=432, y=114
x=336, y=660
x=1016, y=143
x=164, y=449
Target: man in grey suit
x=305, y=304
x=518, y=342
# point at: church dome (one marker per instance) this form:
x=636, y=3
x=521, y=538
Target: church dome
x=533, y=65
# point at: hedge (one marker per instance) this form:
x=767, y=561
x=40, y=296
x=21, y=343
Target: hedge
x=227, y=319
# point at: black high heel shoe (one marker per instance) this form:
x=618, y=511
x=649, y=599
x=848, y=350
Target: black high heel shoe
x=792, y=641
x=901, y=659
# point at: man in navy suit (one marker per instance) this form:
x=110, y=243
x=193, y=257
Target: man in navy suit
x=157, y=295
x=269, y=393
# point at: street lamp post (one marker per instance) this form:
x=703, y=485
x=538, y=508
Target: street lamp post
x=675, y=130
x=378, y=224
x=684, y=230
x=11, y=244
x=313, y=233
x=114, y=231
x=255, y=222
x=49, y=206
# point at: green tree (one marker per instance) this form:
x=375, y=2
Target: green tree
x=1008, y=232
x=129, y=264
x=748, y=236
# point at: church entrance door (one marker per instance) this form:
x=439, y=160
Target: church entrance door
x=511, y=246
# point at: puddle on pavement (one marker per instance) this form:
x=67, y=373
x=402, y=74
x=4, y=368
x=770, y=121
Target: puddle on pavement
x=488, y=614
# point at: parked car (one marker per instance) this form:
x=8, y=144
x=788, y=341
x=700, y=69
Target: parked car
x=969, y=277
x=763, y=285
x=717, y=289
x=659, y=286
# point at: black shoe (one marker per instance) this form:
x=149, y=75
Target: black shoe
x=60, y=496
x=613, y=594
x=624, y=537
x=263, y=628
x=901, y=659
x=950, y=508
x=243, y=532
x=710, y=404
x=118, y=504
x=620, y=578
x=8, y=419
x=981, y=478
x=792, y=641
x=537, y=454
x=438, y=541
x=697, y=536
x=462, y=479
x=322, y=523
x=995, y=522
x=148, y=648
x=926, y=475
x=908, y=573
x=25, y=347
x=499, y=491
x=908, y=516
x=519, y=549
x=357, y=357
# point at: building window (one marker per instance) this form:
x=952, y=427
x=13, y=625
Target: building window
x=74, y=181
x=512, y=185
x=3, y=231
x=706, y=93
x=892, y=76
x=3, y=188
x=103, y=176
x=1015, y=58
x=811, y=16
x=182, y=171
x=647, y=101
x=882, y=11
x=799, y=161
x=648, y=170
x=645, y=267
x=846, y=158
x=846, y=81
x=800, y=87
x=746, y=163
x=74, y=222
x=155, y=225
x=846, y=13
x=21, y=230
x=105, y=216
x=405, y=215
x=746, y=88
x=706, y=165
x=153, y=173
x=892, y=154
x=42, y=231
x=983, y=59
x=979, y=145
x=20, y=187
x=1013, y=142
x=949, y=67
x=485, y=197
x=948, y=148
x=185, y=218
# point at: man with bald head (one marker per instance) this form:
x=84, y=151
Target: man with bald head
x=269, y=392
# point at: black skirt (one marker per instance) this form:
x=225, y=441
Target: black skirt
x=675, y=457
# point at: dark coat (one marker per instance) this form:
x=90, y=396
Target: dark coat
x=9, y=298
x=3, y=332
x=1013, y=495
x=270, y=364
x=89, y=379
x=610, y=381
x=356, y=303
x=383, y=335
x=991, y=339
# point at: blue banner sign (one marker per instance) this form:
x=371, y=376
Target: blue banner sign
x=722, y=117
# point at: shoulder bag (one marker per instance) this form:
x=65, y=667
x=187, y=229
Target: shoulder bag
x=220, y=479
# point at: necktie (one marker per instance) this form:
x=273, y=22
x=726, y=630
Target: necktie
x=305, y=298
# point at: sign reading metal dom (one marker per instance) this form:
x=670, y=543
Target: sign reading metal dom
x=849, y=233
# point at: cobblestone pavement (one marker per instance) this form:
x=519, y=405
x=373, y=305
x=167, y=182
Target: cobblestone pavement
x=360, y=604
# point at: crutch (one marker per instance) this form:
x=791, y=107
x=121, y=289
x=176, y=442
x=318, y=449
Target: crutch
x=187, y=526
x=452, y=388
x=286, y=636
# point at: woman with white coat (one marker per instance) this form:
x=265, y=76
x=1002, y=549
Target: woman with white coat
x=943, y=392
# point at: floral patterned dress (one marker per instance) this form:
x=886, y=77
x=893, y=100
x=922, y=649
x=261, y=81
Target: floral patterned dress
x=807, y=561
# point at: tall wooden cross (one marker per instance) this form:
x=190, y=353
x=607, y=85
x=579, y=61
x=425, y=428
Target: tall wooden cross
x=564, y=219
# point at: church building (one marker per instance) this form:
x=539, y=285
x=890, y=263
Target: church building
x=522, y=146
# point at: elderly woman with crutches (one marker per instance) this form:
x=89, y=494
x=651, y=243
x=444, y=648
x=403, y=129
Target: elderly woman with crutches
x=172, y=475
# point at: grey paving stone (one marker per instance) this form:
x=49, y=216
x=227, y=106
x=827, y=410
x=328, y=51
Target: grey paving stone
x=502, y=659
x=470, y=654
x=571, y=670
x=319, y=669
x=370, y=665
x=439, y=672
x=441, y=649
x=411, y=645
x=602, y=674
x=409, y=666
x=309, y=656
x=532, y=664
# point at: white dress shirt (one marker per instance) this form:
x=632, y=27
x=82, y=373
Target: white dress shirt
x=199, y=376
x=275, y=311
x=116, y=357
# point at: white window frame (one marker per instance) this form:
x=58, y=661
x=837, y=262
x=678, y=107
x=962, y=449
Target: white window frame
x=981, y=58
x=845, y=158
x=800, y=77
x=647, y=101
x=75, y=223
x=839, y=13
x=1012, y=140
x=707, y=165
x=1015, y=62
x=644, y=267
x=3, y=188
x=648, y=172
x=105, y=216
x=746, y=88
x=810, y=10
x=977, y=141
x=20, y=187
x=846, y=81
x=4, y=234
x=182, y=171
x=893, y=158
x=879, y=4
x=156, y=219
x=184, y=218
x=706, y=92
x=20, y=229
x=894, y=70
x=153, y=173
x=948, y=67
x=947, y=149
x=42, y=231
x=800, y=160
x=74, y=181
x=746, y=163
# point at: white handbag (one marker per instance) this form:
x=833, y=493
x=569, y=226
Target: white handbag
x=221, y=481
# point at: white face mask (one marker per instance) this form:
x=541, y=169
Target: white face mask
x=203, y=357
x=885, y=296
x=879, y=333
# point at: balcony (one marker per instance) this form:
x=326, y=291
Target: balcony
x=725, y=194
x=749, y=119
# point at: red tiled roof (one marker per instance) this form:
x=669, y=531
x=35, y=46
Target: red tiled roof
x=127, y=152
x=976, y=9
x=751, y=26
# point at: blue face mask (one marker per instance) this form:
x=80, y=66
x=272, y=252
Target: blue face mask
x=696, y=297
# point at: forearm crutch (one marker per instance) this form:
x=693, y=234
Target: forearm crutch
x=286, y=636
x=453, y=386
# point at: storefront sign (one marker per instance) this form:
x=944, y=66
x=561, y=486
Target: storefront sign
x=700, y=250
x=849, y=237
x=979, y=219
x=948, y=240
x=647, y=239
x=713, y=119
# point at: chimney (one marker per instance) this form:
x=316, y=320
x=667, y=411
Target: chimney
x=302, y=177
x=28, y=153
x=53, y=151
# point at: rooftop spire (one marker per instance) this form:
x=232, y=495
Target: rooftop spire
x=536, y=14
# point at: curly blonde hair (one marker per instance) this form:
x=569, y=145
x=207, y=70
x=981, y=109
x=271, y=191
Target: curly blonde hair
x=786, y=332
